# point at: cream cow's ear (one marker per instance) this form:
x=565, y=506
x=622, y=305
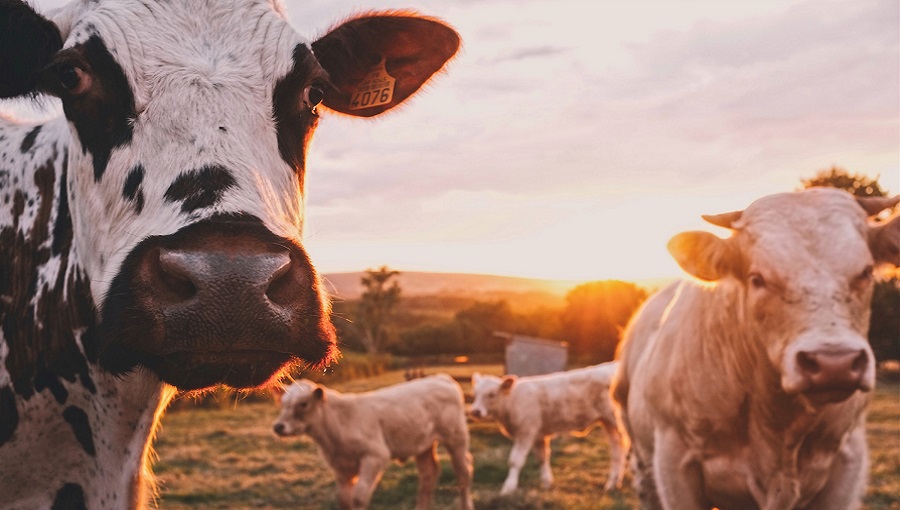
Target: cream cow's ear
x=507, y=383
x=884, y=241
x=704, y=255
x=319, y=394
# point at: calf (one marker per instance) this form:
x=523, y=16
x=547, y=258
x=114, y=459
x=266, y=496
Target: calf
x=150, y=238
x=750, y=390
x=531, y=410
x=358, y=434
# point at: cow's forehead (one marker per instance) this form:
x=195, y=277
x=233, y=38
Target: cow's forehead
x=487, y=382
x=825, y=227
x=297, y=391
x=161, y=44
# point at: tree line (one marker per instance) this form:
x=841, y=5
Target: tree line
x=591, y=320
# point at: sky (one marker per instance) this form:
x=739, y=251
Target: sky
x=572, y=139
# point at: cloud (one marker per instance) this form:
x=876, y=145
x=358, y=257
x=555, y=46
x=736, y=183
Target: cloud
x=531, y=52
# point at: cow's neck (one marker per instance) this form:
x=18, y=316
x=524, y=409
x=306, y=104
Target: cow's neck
x=334, y=413
x=63, y=399
x=781, y=423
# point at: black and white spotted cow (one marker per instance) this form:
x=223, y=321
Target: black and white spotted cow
x=150, y=239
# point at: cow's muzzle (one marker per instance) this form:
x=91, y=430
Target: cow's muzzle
x=221, y=301
x=832, y=376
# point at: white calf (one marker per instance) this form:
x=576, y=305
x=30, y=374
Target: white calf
x=358, y=434
x=531, y=410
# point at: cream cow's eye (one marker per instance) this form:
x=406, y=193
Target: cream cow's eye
x=757, y=281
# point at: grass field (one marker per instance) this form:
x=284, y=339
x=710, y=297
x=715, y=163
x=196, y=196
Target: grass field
x=229, y=458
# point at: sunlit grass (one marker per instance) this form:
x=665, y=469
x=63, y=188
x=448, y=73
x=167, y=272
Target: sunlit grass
x=229, y=459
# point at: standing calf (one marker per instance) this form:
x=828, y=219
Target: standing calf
x=358, y=434
x=750, y=390
x=151, y=237
x=531, y=410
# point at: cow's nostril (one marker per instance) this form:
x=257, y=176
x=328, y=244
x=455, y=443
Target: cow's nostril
x=279, y=428
x=860, y=362
x=175, y=277
x=283, y=289
x=807, y=362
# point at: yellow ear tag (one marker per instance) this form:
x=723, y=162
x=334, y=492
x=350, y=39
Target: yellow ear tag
x=376, y=89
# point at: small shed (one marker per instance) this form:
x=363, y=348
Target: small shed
x=526, y=355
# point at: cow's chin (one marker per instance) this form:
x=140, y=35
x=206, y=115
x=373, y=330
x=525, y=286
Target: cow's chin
x=826, y=396
x=199, y=370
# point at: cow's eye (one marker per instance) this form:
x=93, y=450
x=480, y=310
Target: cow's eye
x=72, y=79
x=757, y=281
x=313, y=96
x=304, y=405
x=316, y=94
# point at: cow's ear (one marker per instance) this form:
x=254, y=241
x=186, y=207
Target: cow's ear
x=507, y=383
x=704, y=255
x=376, y=61
x=28, y=42
x=884, y=241
x=319, y=394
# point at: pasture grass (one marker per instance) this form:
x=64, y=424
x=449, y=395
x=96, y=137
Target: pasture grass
x=228, y=458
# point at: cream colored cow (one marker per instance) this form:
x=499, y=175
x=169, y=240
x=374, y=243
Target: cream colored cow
x=750, y=390
x=531, y=410
x=358, y=434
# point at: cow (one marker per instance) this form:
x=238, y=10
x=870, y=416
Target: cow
x=150, y=237
x=747, y=387
x=358, y=434
x=533, y=409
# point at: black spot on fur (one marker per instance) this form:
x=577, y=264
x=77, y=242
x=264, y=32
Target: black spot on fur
x=69, y=497
x=29, y=42
x=200, y=188
x=295, y=124
x=28, y=141
x=46, y=380
x=78, y=419
x=132, y=189
x=62, y=228
x=9, y=415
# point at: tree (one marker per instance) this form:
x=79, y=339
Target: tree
x=595, y=314
x=375, y=307
x=836, y=177
x=477, y=324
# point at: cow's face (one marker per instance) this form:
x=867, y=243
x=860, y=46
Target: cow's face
x=804, y=263
x=190, y=124
x=300, y=404
x=488, y=392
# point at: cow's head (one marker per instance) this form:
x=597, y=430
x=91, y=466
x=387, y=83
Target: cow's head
x=301, y=403
x=804, y=262
x=190, y=123
x=488, y=392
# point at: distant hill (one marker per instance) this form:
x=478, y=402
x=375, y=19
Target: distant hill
x=347, y=286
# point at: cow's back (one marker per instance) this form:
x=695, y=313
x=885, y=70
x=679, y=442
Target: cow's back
x=563, y=402
x=413, y=415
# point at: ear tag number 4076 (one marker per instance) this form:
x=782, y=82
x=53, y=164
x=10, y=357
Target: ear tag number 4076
x=376, y=89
